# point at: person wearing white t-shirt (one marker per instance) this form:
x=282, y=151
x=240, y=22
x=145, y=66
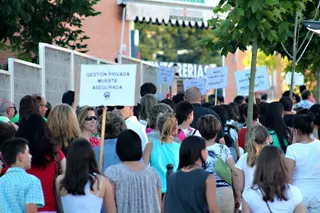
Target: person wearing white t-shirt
x=303, y=161
x=259, y=137
x=133, y=123
x=184, y=115
x=269, y=191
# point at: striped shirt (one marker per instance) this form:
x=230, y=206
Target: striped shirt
x=17, y=189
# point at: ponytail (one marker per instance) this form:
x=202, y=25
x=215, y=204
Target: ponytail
x=166, y=124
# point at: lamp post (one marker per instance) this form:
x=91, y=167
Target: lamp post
x=314, y=26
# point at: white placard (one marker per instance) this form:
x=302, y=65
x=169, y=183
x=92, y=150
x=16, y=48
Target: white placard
x=261, y=82
x=297, y=81
x=166, y=75
x=199, y=82
x=217, y=78
x=107, y=85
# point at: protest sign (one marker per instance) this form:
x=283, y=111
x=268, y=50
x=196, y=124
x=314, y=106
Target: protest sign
x=217, y=78
x=166, y=75
x=261, y=82
x=298, y=79
x=107, y=85
x=199, y=83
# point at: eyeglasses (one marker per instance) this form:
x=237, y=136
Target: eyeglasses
x=91, y=118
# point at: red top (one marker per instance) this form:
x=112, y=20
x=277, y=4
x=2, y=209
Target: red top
x=242, y=137
x=94, y=142
x=46, y=177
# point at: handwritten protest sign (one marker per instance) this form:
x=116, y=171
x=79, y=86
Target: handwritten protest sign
x=107, y=85
x=166, y=75
x=297, y=80
x=199, y=82
x=261, y=82
x=217, y=78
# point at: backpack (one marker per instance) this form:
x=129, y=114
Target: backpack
x=230, y=142
x=182, y=135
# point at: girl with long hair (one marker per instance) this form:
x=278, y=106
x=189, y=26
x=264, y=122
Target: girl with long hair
x=280, y=132
x=164, y=150
x=303, y=161
x=270, y=191
x=64, y=126
x=200, y=195
x=82, y=188
x=259, y=137
x=46, y=157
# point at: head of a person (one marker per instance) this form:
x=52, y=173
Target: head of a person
x=129, y=151
x=303, y=125
x=42, y=104
x=125, y=111
x=148, y=88
x=258, y=137
x=147, y=102
x=223, y=114
x=286, y=103
x=271, y=174
x=7, y=108
x=192, y=150
x=264, y=97
x=137, y=111
x=81, y=167
x=302, y=111
x=115, y=124
x=263, y=107
x=242, y=118
x=306, y=95
x=255, y=114
x=209, y=126
x=230, y=112
x=167, y=125
x=211, y=98
x=239, y=100
x=184, y=112
x=235, y=109
x=170, y=103
x=156, y=110
x=315, y=109
x=49, y=108
x=15, y=152
x=178, y=98
x=302, y=88
x=28, y=105
x=35, y=130
x=220, y=99
x=296, y=98
x=63, y=125
x=207, y=105
x=6, y=131
x=68, y=98
x=287, y=94
x=87, y=119
x=193, y=95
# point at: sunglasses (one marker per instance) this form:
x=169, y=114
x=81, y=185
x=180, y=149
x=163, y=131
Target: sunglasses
x=91, y=118
x=111, y=108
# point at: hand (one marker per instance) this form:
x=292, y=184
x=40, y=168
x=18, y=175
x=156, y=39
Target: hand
x=237, y=203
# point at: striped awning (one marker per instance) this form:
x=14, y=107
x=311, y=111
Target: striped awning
x=193, y=13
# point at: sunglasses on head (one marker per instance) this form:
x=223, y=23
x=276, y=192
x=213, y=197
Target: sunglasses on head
x=91, y=118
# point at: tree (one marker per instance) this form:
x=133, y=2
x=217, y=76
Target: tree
x=162, y=43
x=58, y=22
x=256, y=23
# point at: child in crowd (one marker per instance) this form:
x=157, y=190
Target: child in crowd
x=19, y=191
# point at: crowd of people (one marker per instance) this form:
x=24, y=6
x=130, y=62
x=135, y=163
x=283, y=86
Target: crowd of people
x=49, y=156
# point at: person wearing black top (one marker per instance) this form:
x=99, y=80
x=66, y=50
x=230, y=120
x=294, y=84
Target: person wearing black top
x=288, y=113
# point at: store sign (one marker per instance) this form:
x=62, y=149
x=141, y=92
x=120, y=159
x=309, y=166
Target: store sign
x=186, y=70
x=186, y=14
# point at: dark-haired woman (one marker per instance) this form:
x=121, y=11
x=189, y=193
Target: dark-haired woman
x=270, y=192
x=281, y=134
x=137, y=187
x=82, y=188
x=315, y=109
x=45, y=156
x=303, y=161
x=200, y=195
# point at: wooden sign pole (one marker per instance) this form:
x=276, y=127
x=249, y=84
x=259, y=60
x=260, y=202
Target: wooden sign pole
x=103, y=132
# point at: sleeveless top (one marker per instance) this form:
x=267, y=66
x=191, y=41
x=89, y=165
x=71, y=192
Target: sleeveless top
x=187, y=192
x=161, y=155
x=88, y=203
x=276, y=141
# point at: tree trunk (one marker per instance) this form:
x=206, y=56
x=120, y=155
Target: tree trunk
x=318, y=86
x=294, y=54
x=251, y=89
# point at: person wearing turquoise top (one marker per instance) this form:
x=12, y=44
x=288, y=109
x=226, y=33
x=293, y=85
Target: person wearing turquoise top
x=163, y=151
x=280, y=132
x=16, y=118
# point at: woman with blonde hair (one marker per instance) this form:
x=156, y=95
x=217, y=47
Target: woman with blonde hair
x=259, y=137
x=88, y=124
x=64, y=126
x=163, y=151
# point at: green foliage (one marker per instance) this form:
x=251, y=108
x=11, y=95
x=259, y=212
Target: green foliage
x=58, y=22
x=161, y=43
